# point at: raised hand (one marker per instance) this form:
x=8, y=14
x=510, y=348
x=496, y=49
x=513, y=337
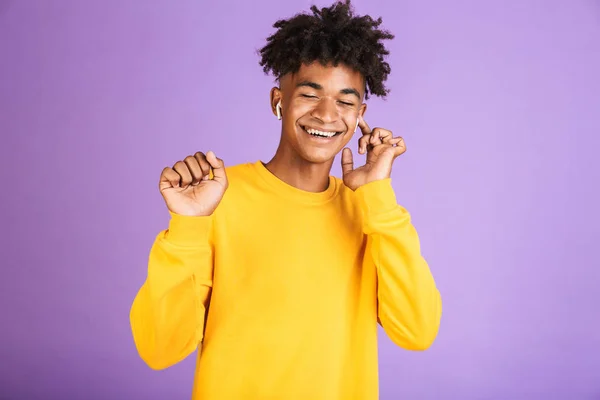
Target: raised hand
x=382, y=149
x=187, y=187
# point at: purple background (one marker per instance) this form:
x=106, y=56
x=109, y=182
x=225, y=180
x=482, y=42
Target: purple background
x=499, y=103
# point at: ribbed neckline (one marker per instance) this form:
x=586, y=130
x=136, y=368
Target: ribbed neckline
x=290, y=192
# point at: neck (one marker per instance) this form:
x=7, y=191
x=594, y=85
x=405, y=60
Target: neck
x=299, y=173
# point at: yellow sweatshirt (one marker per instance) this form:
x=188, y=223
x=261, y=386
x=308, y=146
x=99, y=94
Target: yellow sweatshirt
x=296, y=282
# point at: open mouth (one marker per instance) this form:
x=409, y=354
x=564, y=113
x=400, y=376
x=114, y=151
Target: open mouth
x=320, y=134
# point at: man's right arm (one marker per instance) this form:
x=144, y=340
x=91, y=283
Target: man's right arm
x=168, y=313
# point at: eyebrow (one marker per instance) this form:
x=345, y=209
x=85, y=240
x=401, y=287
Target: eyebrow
x=316, y=86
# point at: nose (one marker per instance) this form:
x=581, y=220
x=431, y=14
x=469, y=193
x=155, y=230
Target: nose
x=325, y=111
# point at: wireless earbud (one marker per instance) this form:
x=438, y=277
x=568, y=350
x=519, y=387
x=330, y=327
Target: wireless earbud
x=278, y=109
x=356, y=124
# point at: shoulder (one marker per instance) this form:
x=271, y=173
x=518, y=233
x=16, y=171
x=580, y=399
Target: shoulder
x=239, y=172
x=343, y=191
x=346, y=202
x=345, y=195
x=241, y=176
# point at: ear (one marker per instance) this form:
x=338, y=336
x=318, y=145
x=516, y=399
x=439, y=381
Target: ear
x=275, y=98
x=362, y=110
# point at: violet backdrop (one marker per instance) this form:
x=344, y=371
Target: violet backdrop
x=499, y=104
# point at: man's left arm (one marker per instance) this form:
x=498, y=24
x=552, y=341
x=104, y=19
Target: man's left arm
x=409, y=303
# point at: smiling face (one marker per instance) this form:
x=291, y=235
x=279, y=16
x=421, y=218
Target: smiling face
x=319, y=106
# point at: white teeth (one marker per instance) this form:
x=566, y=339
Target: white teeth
x=320, y=133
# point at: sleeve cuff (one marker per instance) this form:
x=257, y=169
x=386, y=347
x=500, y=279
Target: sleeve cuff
x=377, y=197
x=188, y=231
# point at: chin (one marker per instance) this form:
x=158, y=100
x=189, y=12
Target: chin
x=319, y=156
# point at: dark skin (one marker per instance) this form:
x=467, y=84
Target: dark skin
x=327, y=98
x=324, y=98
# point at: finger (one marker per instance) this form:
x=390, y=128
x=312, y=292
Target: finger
x=392, y=149
x=194, y=168
x=366, y=131
x=347, y=161
x=364, y=127
x=182, y=169
x=218, y=167
x=367, y=142
x=385, y=136
x=397, y=144
x=363, y=142
x=379, y=136
x=400, y=147
x=204, y=165
x=375, y=137
x=168, y=179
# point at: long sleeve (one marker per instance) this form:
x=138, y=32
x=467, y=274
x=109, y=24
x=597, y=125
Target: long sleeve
x=409, y=303
x=168, y=313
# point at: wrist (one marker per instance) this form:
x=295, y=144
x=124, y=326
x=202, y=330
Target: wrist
x=377, y=197
x=189, y=230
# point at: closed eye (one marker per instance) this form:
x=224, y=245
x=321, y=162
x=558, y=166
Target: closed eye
x=310, y=96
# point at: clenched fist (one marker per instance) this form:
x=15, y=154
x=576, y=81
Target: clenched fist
x=187, y=187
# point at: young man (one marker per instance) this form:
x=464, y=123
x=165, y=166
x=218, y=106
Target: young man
x=298, y=266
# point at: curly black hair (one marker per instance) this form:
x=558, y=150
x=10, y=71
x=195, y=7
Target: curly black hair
x=330, y=35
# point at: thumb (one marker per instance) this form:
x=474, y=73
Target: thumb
x=347, y=161
x=218, y=167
